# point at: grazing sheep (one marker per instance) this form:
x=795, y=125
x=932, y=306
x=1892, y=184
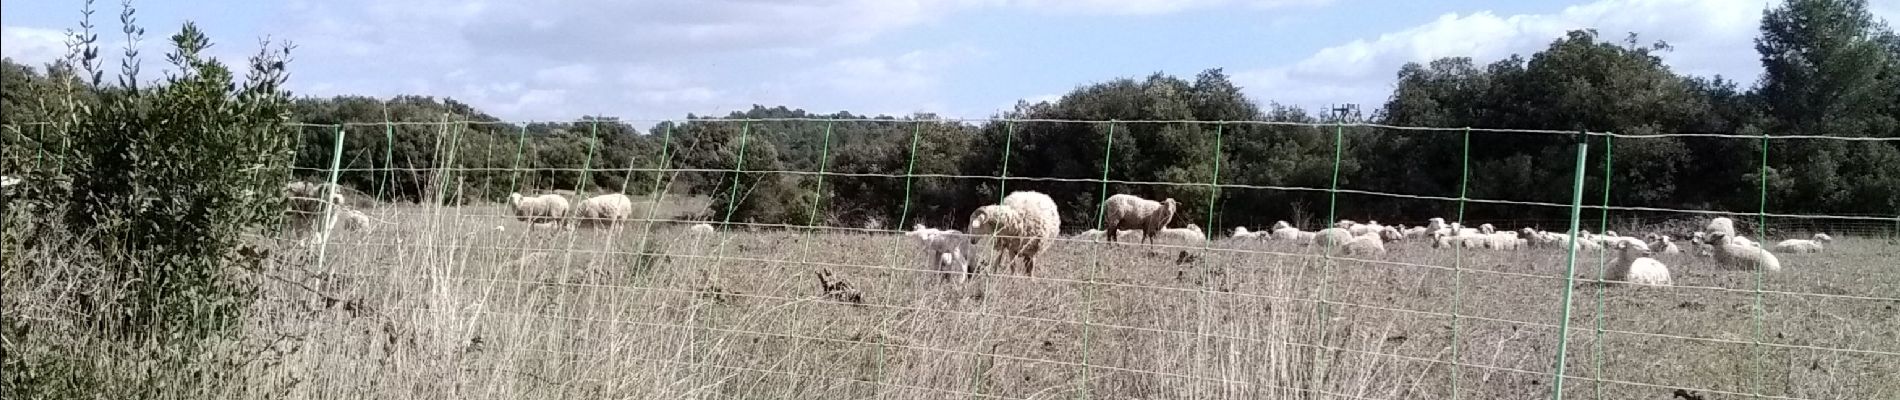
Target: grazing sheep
x=605, y=210
x=1192, y=233
x=947, y=250
x=538, y=209
x=1022, y=225
x=1732, y=255
x=704, y=229
x=1371, y=243
x=1814, y=245
x=1633, y=265
x=1130, y=211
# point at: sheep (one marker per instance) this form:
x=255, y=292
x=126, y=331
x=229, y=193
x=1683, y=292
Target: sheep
x=947, y=250
x=1667, y=244
x=1368, y=227
x=1415, y=232
x=1721, y=225
x=1371, y=243
x=1130, y=211
x=1537, y=239
x=538, y=209
x=1022, y=225
x=705, y=229
x=1814, y=245
x=1192, y=233
x=1285, y=231
x=1442, y=239
x=1734, y=255
x=1633, y=265
x=1332, y=237
x=1700, y=240
x=1487, y=229
x=7, y=181
x=350, y=219
x=1241, y=232
x=1503, y=240
x=605, y=210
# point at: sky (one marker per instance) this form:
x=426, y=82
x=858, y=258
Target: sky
x=662, y=59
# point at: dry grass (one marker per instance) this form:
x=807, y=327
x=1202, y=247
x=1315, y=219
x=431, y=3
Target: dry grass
x=443, y=306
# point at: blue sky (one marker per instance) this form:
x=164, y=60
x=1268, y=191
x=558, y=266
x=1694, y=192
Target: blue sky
x=660, y=59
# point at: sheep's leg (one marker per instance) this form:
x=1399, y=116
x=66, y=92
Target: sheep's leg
x=1029, y=266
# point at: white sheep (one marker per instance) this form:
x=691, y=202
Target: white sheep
x=1022, y=225
x=1537, y=239
x=1633, y=265
x=1814, y=245
x=1371, y=243
x=1192, y=233
x=350, y=220
x=1416, y=232
x=1130, y=211
x=1332, y=237
x=605, y=210
x=1664, y=242
x=1368, y=227
x=1734, y=255
x=1098, y=234
x=1285, y=231
x=1503, y=240
x=1721, y=225
x=538, y=209
x=705, y=229
x=1241, y=232
x=1487, y=229
x=947, y=250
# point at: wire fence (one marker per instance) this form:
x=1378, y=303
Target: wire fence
x=470, y=296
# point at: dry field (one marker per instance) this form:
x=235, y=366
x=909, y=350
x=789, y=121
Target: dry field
x=441, y=305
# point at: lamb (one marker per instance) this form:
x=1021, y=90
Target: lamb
x=1814, y=245
x=605, y=210
x=1022, y=225
x=1734, y=255
x=1371, y=243
x=947, y=250
x=538, y=209
x=1192, y=233
x=1633, y=265
x=1130, y=211
x=704, y=229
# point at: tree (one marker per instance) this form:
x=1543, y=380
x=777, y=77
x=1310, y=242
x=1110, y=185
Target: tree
x=1828, y=72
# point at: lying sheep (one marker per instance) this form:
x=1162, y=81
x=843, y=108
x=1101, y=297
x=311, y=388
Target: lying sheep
x=1192, y=233
x=605, y=210
x=1665, y=243
x=704, y=229
x=1487, y=229
x=1022, y=225
x=1285, y=231
x=1241, y=232
x=1332, y=237
x=1416, y=232
x=1814, y=245
x=1368, y=227
x=1129, y=211
x=1732, y=255
x=1371, y=243
x=946, y=249
x=1098, y=234
x=1721, y=225
x=1633, y=265
x=538, y=209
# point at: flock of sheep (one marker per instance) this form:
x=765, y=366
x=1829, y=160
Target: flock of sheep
x=1025, y=223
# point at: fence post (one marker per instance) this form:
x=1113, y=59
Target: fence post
x=329, y=208
x=1570, y=266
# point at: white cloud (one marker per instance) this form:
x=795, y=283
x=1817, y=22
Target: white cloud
x=566, y=75
x=32, y=46
x=1148, y=7
x=1710, y=37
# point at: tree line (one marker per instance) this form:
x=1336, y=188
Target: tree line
x=1830, y=69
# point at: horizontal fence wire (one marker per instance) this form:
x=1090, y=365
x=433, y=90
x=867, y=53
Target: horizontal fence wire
x=726, y=254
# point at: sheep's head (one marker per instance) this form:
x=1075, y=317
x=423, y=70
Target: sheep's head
x=1630, y=249
x=983, y=221
x=1717, y=238
x=1390, y=234
x=1526, y=233
x=1487, y=229
x=1822, y=237
x=1278, y=225
x=514, y=199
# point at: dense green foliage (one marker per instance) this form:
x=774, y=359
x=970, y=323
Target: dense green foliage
x=131, y=217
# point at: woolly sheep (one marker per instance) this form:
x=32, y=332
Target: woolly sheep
x=1415, y=232
x=1741, y=256
x=1537, y=239
x=1665, y=243
x=1368, y=227
x=702, y=229
x=1241, y=232
x=1633, y=265
x=1130, y=211
x=605, y=210
x=1332, y=237
x=1371, y=243
x=1814, y=245
x=1022, y=225
x=1721, y=225
x=350, y=219
x=538, y=209
x=1098, y=234
x=1487, y=229
x=1192, y=233
x=1502, y=240
x=947, y=250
